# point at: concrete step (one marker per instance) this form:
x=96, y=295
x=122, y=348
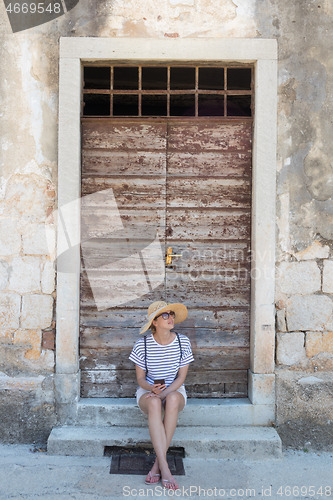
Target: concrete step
x=219, y=442
x=198, y=412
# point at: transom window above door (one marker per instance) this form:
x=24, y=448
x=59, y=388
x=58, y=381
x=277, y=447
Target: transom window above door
x=167, y=91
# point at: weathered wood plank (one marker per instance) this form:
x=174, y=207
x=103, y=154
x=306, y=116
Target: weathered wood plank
x=226, y=164
x=123, y=136
x=236, y=390
x=130, y=292
x=132, y=192
x=108, y=383
x=214, y=358
x=123, y=163
x=108, y=252
x=200, y=383
x=212, y=224
x=208, y=192
x=101, y=223
x=194, y=294
x=208, y=338
x=230, y=319
x=122, y=383
x=216, y=297
x=105, y=289
x=217, y=137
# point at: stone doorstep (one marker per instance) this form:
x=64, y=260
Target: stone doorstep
x=198, y=412
x=198, y=442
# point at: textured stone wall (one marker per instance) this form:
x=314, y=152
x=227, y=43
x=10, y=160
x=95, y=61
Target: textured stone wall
x=28, y=134
x=304, y=299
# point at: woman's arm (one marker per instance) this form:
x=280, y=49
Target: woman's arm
x=179, y=380
x=141, y=379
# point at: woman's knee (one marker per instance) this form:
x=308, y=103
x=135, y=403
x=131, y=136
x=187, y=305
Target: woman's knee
x=149, y=404
x=154, y=405
x=174, y=400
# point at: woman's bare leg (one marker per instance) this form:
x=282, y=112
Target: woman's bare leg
x=153, y=407
x=174, y=402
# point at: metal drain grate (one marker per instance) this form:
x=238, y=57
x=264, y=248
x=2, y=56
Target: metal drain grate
x=140, y=460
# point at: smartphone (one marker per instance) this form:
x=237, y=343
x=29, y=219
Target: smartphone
x=159, y=381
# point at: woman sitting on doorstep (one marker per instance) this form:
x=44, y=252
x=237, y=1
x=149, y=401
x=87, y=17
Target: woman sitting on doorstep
x=162, y=359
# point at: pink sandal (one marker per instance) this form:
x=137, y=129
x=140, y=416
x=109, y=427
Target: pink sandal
x=169, y=485
x=150, y=476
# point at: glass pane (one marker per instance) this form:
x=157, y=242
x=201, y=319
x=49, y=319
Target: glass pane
x=239, y=79
x=211, y=105
x=154, y=105
x=211, y=78
x=125, y=78
x=239, y=105
x=96, y=77
x=154, y=78
x=182, y=78
x=182, y=105
x=125, y=105
x=96, y=104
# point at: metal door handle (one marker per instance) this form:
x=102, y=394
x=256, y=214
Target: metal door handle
x=169, y=256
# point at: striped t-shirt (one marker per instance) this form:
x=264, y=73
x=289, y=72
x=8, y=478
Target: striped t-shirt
x=163, y=361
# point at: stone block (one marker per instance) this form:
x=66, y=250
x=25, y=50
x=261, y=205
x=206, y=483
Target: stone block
x=318, y=342
x=26, y=197
x=229, y=442
x=11, y=243
x=31, y=337
x=299, y=278
x=37, y=311
x=39, y=239
x=314, y=251
x=6, y=335
x=328, y=276
x=261, y=388
x=67, y=388
x=4, y=274
x=20, y=383
x=45, y=362
x=27, y=410
x=304, y=405
x=262, y=349
x=25, y=275
x=310, y=312
x=290, y=348
x=10, y=305
x=281, y=320
x=48, y=277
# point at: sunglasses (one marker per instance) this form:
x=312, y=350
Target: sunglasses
x=167, y=315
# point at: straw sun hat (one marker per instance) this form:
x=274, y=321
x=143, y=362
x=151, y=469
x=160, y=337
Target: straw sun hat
x=158, y=307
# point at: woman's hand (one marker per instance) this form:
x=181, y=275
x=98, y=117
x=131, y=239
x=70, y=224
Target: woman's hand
x=158, y=388
x=153, y=395
x=157, y=391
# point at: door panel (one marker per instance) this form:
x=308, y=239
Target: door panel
x=185, y=185
x=208, y=222
x=122, y=266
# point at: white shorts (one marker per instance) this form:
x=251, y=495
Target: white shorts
x=140, y=392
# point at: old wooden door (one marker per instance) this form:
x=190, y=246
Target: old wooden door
x=148, y=185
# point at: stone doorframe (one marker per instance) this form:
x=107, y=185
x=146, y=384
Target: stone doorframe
x=263, y=54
